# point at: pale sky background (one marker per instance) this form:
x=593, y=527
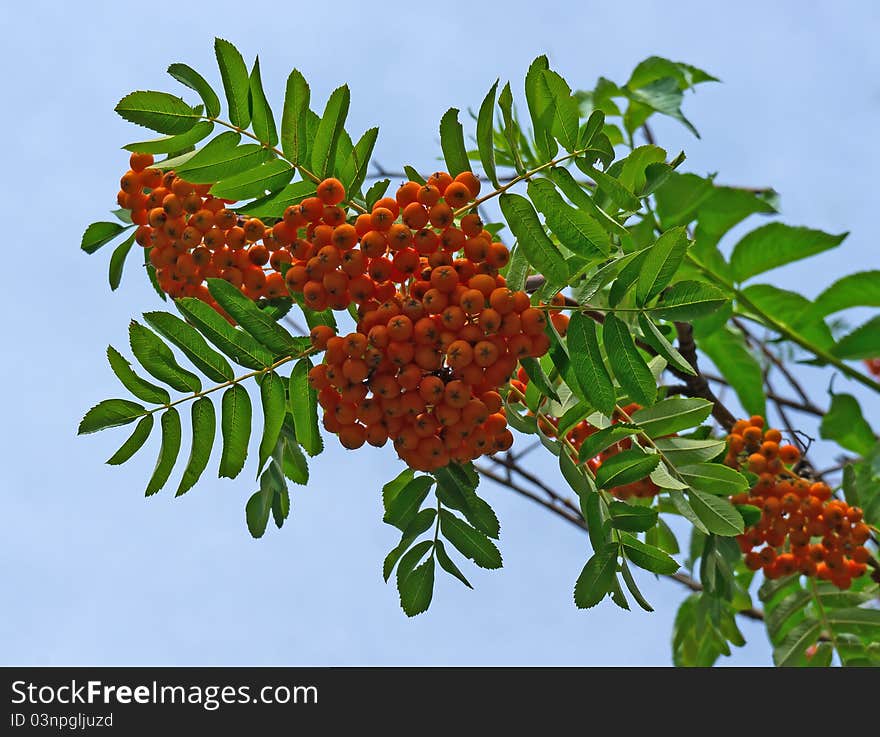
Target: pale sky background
x=95, y=574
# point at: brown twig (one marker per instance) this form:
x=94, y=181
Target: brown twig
x=698, y=385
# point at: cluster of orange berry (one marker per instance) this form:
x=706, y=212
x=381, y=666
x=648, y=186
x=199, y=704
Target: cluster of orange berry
x=194, y=236
x=438, y=330
x=802, y=528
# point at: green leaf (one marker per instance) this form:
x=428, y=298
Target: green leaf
x=204, y=428
x=280, y=506
x=294, y=120
x=672, y=415
x=589, y=366
x=157, y=111
x=792, y=649
x=158, y=359
x=532, y=238
x=151, y=275
x=653, y=337
x=274, y=205
x=661, y=263
x=627, y=363
x=188, y=76
x=422, y=521
x=717, y=514
x=235, y=426
x=417, y=589
x=714, y=478
x=192, y=344
x=117, y=261
x=469, y=541
x=167, y=451
x=304, y=408
x=575, y=476
x=376, y=192
x=776, y=616
x=274, y=405
x=857, y=620
x=141, y=388
x=235, y=343
x=255, y=321
x=728, y=351
x=845, y=425
x=598, y=441
x=134, y=443
x=777, y=244
x=855, y=290
x=682, y=451
x=631, y=517
x=625, y=468
x=99, y=234
x=575, y=192
x=596, y=578
x=395, y=486
x=617, y=193
x=263, y=121
x=354, y=169
x=329, y=129
x=634, y=166
x=293, y=462
x=269, y=176
x=632, y=587
x=683, y=507
x=687, y=300
x=174, y=144
x=556, y=108
x=861, y=343
x=456, y=488
x=257, y=512
x=452, y=143
x=576, y=230
x=235, y=82
x=447, y=564
x=791, y=309
x=647, y=556
x=544, y=143
x=662, y=95
x=221, y=159
x=539, y=378
x=406, y=503
x=485, y=135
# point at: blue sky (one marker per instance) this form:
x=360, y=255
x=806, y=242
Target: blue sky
x=96, y=574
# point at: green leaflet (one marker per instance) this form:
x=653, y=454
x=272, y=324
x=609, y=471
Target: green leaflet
x=294, y=121
x=447, y=564
x=598, y=441
x=134, y=443
x=236, y=344
x=627, y=363
x=456, y=488
x=255, y=321
x=717, y=514
x=204, y=427
x=655, y=338
x=469, y=541
x=274, y=403
x=854, y=290
x=417, y=589
x=556, y=108
x=188, y=76
x=235, y=424
x=174, y=144
x=632, y=517
x=544, y=143
x=625, y=468
x=159, y=361
x=99, y=234
x=485, y=143
x=270, y=176
x=861, y=343
x=354, y=170
x=304, y=408
x=532, y=238
x=672, y=415
x=589, y=366
x=845, y=424
x=728, y=351
x=236, y=82
x=262, y=119
x=110, y=413
x=192, y=344
x=647, y=556
x=576, y=229
x=687, y=300
x=167, y=451
x=221, y=159
x=661, y=263
x=117, y=262
x=158, y=111
x=777, y=244
x=141, y=388
x=452, y=143
x=713, y=478
x=596, y=578
x=329, y=129
x=405, y=505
